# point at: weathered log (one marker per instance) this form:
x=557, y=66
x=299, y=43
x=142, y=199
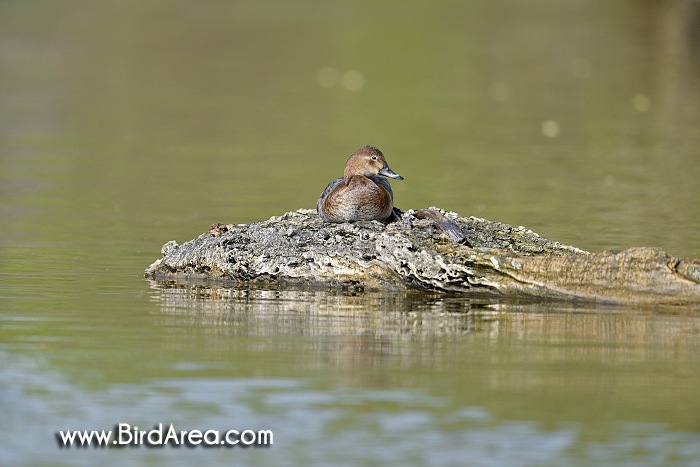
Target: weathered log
x=496, y=259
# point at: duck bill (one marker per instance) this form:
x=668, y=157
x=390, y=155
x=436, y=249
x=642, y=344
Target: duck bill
x=387, y=172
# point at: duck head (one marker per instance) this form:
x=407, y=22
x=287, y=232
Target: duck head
x=368, y=161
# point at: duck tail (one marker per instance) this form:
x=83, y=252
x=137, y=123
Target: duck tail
x=444, y=223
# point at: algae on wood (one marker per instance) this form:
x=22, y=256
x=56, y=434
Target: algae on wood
x=496, y=259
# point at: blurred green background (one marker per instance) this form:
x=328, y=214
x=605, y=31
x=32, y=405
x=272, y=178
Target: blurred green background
x=579, y=120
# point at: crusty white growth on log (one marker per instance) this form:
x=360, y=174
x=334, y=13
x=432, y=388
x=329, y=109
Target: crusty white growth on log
x=497, y=259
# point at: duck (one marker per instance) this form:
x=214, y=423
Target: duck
x=363, y=193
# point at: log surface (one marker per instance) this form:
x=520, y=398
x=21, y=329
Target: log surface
x=496, y=260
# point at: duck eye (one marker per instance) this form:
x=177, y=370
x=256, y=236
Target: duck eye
x=374, y=157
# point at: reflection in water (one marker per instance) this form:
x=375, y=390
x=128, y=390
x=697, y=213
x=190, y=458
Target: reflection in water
x=280, y=310
x=540, y=352
x=314, y=312
x=370, y=326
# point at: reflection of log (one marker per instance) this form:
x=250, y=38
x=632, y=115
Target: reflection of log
x=500, y=260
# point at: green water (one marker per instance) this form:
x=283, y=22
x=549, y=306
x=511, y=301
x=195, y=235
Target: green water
x=126, y=124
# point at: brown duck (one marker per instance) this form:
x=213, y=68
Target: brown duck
x=363, y=193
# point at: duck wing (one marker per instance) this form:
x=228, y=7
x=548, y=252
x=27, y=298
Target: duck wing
x=331, y=186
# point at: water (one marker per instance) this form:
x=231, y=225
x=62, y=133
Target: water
x=125, y=125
